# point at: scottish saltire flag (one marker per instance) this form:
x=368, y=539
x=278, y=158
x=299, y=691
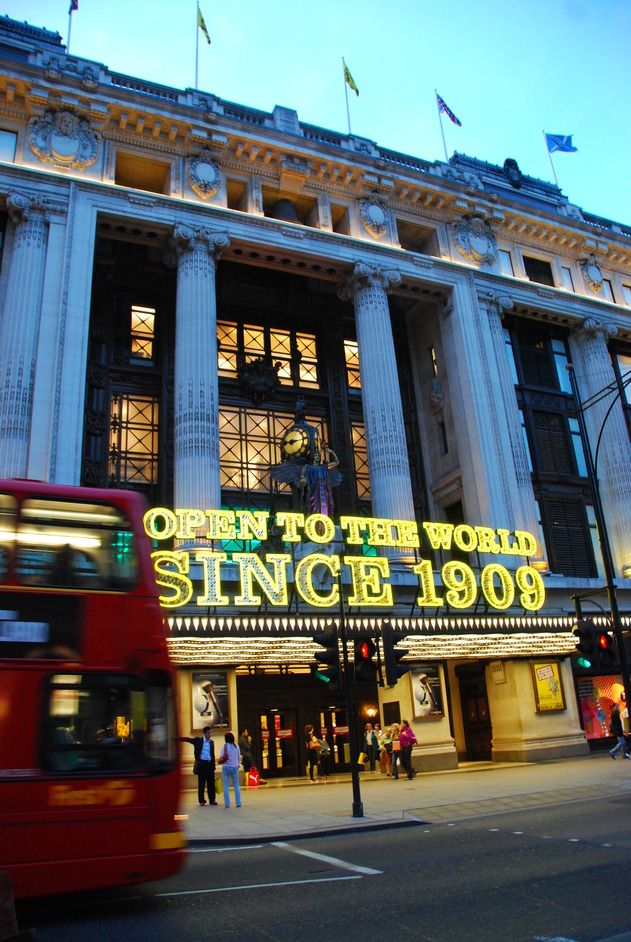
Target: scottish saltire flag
x=74, y=5
x=445, y=110
x=348, y=78
x=202, y=25
x=560, y=142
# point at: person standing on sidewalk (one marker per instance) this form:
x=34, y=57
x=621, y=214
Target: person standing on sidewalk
x=230, y=760
x=245, y=745
x=396, y=750
x=371, y=746
x=204, y=751
x=385, y=745
x=407, y=740
x=313, y=749
x=615, y=728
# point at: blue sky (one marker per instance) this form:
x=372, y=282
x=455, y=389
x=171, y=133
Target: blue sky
x=509, y=69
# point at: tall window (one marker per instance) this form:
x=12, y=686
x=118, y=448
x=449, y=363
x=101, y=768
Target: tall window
x=249, y=443
x=351, y=355
x=142, y=332
x=133, y=440
x=538, y=362
x=294, y=351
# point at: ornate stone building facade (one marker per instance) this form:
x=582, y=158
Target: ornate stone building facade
x=179, y=271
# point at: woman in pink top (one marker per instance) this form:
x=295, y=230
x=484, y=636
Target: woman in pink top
x=407, y=740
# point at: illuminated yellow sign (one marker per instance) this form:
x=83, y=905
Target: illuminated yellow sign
x=114, y=793
x=458, y=586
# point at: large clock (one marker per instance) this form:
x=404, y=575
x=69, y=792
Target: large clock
x=295, y=443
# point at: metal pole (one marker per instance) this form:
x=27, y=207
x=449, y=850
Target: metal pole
x=603, y=538
x=358, y=808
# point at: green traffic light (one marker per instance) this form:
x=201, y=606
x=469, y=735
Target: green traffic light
x=584, y=662
x=322, y=677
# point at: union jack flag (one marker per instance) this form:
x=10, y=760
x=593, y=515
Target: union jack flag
x=446, y=110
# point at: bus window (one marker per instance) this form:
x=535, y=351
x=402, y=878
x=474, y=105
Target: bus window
x=108, y=723
x=67, y=544
x=8, y=514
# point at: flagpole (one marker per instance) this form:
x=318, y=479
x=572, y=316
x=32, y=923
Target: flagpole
x=442, y=130
x=69, y=29
x=197, y=45
x=550, y=158
x=348, y=111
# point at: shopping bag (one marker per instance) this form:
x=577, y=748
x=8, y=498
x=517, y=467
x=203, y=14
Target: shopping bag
x=253, y=778
x=218, y=785
x=362, y=758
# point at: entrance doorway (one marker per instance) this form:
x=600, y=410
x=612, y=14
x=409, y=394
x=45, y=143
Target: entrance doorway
x=476, y=717
x=279, y=743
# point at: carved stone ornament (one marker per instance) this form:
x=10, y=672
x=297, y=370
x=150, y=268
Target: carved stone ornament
x=374, y=217
x=258, y=379
x=474, y=239
x=64, y=139
x=204, y=175
x=513, y=173
x=592, y=273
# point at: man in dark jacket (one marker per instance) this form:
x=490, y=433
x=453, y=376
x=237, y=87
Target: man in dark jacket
x=204, y=749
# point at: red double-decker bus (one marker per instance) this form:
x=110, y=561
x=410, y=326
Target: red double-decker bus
x=89, y=776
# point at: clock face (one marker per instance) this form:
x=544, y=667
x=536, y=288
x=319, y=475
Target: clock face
x=295, y=444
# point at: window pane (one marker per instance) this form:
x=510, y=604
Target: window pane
x=133, y=439
x=506, y=262
x=561, y=362
x=351, y=353
x=538, y=270
x=552, y=443
x=8, y=141
x=360, y=458
x=624, y=362
x=142, y=332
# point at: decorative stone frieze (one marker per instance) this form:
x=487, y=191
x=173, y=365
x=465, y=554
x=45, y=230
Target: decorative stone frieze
x=474, y=239
x=374, y=216
x=204, y=175
x=64, y=139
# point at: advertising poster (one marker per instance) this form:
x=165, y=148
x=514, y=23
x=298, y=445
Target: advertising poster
x=209, y=700
x=596, y=696
x=548, y=687
x=426, y=693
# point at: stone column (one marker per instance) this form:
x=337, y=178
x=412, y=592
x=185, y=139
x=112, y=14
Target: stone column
x=388, y=465
x=605, y=422
x=516, y=468
x=196, y=401
x=19, y=330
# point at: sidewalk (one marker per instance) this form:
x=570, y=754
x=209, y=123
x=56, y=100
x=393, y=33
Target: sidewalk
x=293, y=808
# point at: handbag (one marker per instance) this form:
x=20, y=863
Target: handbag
x=223, y=757
x=396, y=745
x=361, y=758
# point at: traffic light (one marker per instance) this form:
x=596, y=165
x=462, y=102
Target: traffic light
x=392, y=655
x=606, y=649
x=366, y=670
x=585, y=632
x=331, y=675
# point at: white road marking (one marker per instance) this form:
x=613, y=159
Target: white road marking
x=335, y=861
x=255, y=886
x=221, y=850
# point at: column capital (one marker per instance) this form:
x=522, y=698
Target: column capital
x=187, y=238
x=592, y=328
x=21, y=206
x=500, y=303
x=368, y=276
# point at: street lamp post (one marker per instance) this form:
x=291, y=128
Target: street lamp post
x=603, y=537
